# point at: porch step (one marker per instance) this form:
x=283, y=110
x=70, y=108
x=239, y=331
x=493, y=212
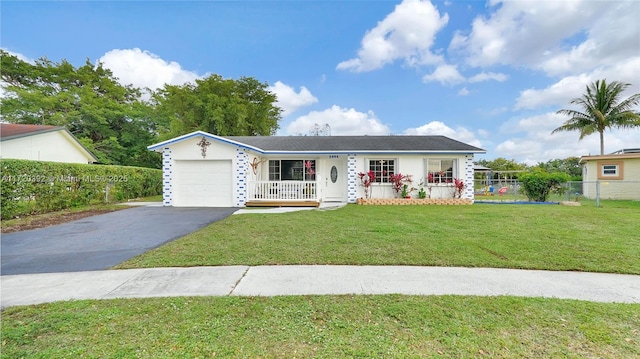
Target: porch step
x=277, y=203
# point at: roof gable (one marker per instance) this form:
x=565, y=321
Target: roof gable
x=333, y=144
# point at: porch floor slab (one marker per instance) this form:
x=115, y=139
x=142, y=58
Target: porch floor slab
x=322, y=206
x=276, y=203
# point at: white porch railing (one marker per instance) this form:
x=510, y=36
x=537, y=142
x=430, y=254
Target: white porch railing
x=282, y=190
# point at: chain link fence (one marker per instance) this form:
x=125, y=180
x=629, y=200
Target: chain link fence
x=587, y=191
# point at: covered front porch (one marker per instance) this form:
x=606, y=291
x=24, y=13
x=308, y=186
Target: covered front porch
x=283, y=194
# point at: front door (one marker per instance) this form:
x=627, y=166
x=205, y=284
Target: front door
x=335, y=180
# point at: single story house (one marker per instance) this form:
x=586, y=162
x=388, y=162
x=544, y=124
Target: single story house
x=617, y=175
x=42, y=143
x=205, y=170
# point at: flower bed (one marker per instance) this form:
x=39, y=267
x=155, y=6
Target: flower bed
x=413, y=201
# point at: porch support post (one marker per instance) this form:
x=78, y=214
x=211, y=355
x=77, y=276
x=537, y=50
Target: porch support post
x=352, y=175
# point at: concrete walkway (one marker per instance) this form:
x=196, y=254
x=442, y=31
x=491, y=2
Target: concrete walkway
x=316, y=280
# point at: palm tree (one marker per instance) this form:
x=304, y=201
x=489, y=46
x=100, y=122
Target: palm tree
x=602, y=108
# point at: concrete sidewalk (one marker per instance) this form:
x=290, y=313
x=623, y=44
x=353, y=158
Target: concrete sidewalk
x=316, y=279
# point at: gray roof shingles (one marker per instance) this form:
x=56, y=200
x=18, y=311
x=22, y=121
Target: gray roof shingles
x=356, y=143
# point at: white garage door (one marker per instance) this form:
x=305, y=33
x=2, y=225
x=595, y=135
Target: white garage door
x=202, y=184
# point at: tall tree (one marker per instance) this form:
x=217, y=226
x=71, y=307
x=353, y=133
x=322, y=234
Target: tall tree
x=569, y=165
x=225, y=107
x=601, y=108
x=509, y=168
x=108, y=118
x=503, y=164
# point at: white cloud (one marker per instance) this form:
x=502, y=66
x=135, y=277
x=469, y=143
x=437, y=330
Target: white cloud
x=561, y=92
x=531, y=140
x=19, y=56
x=434, y=128
x=611, y=37
x=3, y=84
x=497, y=111
x=558, y=93
x=483, y=133
x=449, y=75
x=445, y=74
x=486, y=76
x=558, y=37
x=342, y=121
x=290, y=100
x=407, y=33
x=143, y=69
x=463, y=92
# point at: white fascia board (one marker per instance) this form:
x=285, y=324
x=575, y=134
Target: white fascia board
x=159, y=146
x=378, y=152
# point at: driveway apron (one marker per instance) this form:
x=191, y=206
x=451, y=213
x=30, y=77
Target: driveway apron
x=102, y=241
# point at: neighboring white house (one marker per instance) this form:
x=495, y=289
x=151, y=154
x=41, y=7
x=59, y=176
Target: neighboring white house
x=42, y=143
x=205, y=170
x=617, y=175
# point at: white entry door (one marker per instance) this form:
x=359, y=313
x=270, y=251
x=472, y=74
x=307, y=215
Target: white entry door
x=335, y=180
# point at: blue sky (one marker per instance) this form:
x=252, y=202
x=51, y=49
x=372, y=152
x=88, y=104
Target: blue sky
x=491, y=74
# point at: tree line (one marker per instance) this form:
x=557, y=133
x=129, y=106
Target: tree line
x=117, y=122
x=570, y=166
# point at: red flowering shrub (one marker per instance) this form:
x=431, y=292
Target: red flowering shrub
x=366, y=179
x=459, y=187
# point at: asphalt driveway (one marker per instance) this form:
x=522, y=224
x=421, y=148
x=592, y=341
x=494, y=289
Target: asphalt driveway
x=102, y=241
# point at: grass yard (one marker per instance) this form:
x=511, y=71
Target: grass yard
x=549, y=237
x=390, y=326
x=516, y=236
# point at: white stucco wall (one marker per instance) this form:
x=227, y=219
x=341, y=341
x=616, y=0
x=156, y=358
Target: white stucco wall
x=189, y=149
x=415, y=165
x=53, y=146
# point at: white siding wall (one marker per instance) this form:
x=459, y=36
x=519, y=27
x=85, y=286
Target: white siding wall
x=52, y=146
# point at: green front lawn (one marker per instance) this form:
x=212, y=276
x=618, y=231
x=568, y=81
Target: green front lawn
x=538, y=236
x=547, y=237
x=389, y=326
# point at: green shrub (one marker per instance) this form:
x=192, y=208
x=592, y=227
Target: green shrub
x=538, y=185
x=30, y=187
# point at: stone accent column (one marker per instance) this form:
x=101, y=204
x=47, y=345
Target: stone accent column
x=468, y=177
x=167, y=177
x=352, y=178
x=242, y=165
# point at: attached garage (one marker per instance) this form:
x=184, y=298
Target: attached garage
x=202, y=183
